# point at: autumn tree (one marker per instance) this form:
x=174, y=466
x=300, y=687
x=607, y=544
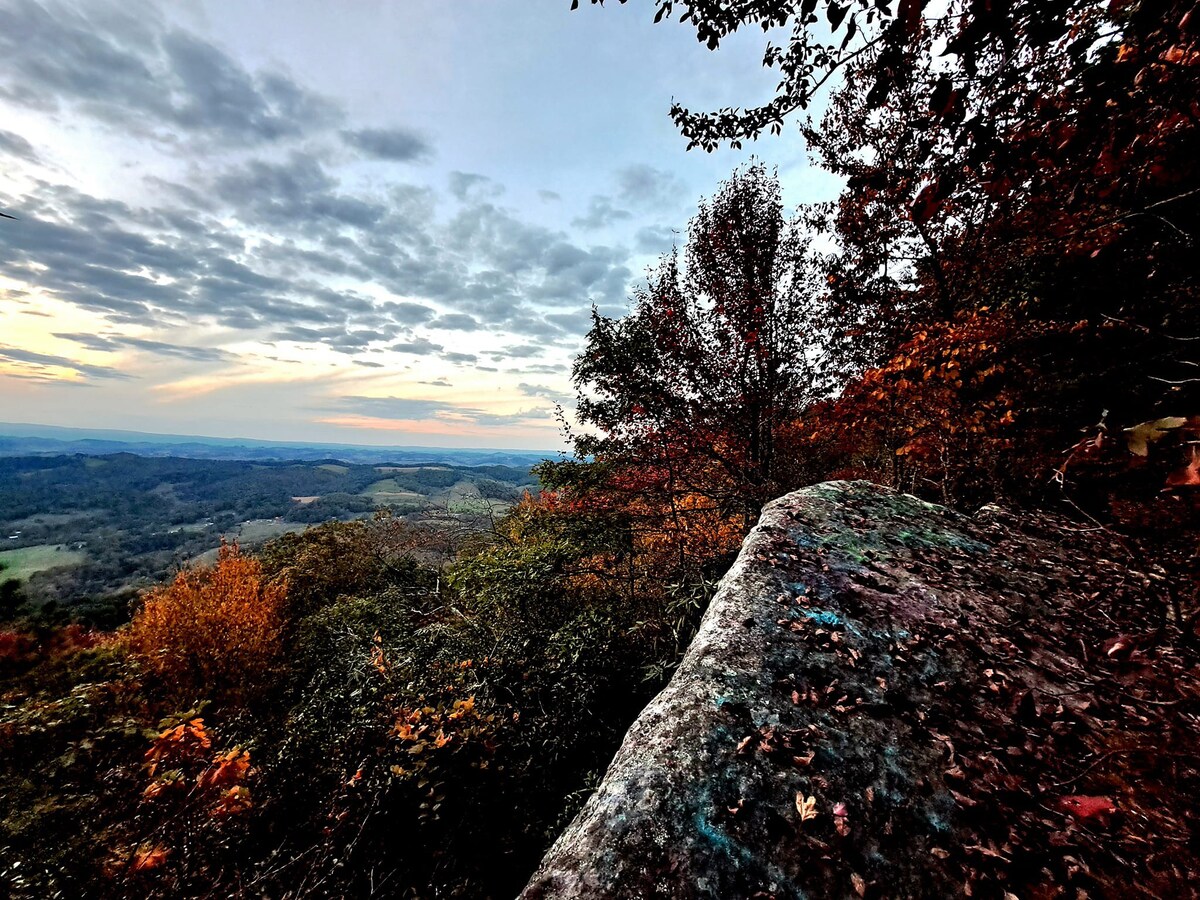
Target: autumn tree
x=212, y=632
x=686, y=394
x=1019, y=168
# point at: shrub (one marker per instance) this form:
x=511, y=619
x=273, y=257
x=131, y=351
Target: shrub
x=213, y=631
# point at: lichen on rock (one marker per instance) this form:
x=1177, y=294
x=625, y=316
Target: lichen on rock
x=889, y=699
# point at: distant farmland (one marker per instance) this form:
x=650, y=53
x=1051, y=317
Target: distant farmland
x=25, y=561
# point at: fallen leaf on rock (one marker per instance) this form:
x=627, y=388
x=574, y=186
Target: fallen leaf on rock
x=986, y=851
x=860, y=886
x=1120, y=646
x=1139, y=437
x=964, y=800
x=1189, y=475
x=807, y=807
x=841, y=820
x=1086, y=807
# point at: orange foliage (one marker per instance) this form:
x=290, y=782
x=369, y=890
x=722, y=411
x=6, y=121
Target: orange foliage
x=692, y=529
x=20, y=649
x=179, y=751
x=942, y=413
x=149, y=856
x=212, y=632
x=426, y=737
x=186, y=741
x=16, y=648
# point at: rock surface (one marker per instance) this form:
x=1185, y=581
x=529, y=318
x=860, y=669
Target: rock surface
x=887, y=699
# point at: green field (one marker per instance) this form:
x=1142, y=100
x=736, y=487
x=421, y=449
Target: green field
x=464, y=498
x=55, y=519
x=249, y=535
x=387, y=492
x=22, y=563
x=408, y=470
x=178, y=508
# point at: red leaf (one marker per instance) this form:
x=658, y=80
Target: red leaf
x=1189, y=475
x=1083, y=806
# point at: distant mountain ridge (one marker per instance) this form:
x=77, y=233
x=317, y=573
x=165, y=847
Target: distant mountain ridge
x=21, y=439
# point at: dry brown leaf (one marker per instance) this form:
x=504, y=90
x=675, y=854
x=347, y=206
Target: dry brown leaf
x=1139, y=437
x=806, y=806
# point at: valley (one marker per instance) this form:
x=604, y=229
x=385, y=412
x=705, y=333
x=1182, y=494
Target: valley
x=83, y=535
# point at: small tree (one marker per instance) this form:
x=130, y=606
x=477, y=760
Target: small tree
x=212, y=632
x=689, y=392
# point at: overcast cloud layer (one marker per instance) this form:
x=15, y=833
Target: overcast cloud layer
x=216, y=235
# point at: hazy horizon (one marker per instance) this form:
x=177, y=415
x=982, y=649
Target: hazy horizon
x=34, y=429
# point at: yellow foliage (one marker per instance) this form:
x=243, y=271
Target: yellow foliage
x=695, y=527
x=212, y=631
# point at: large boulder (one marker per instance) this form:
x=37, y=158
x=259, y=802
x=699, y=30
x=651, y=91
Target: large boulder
x=887, y=699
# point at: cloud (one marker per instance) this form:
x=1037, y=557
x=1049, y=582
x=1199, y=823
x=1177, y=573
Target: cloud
x=422, y=410
x=409, y=313
x=515, y=260
x=214, y=95
x=336, y=337
x=126, y=67
x=466, y=186
x=392, y=144
x=549, y=196
x=601, y=213
x=542, y=392
x=460, y=358
x=276, y=247
x=297, y=191
x=37, y=365
x=655, y=239
x=162, y=267
x=647, y=188
x=418, y=346
x=576, y=322
x=545, y=369
x=116, y=342
x=15, y=145
x=519, y=351
x=455, y=322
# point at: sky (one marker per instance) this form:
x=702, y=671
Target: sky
x=370, y=222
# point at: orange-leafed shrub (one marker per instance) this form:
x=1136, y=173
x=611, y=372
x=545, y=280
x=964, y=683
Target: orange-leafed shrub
x=213, y=632
x=17, y=650
x=182, y=751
